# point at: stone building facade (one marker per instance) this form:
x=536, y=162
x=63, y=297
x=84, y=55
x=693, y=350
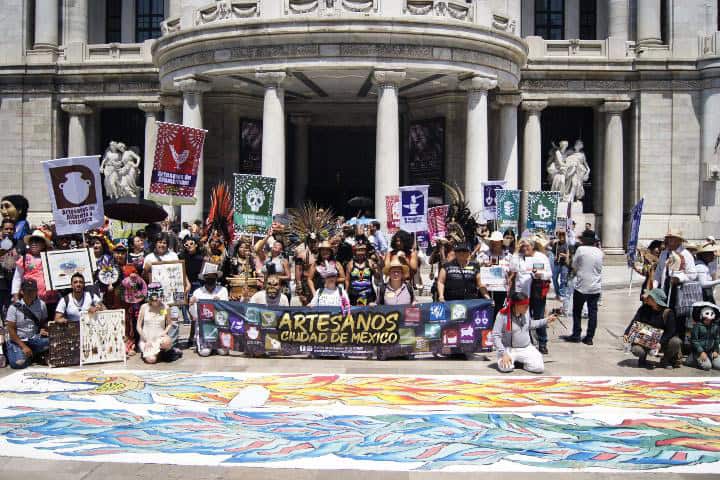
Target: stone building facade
x=339, y=98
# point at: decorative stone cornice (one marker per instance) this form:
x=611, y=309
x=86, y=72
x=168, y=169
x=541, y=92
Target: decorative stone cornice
x=150, y=107
x=388, y=78
x=478, y=83
x=506, y=100
x=271, y=78
x=614, y=107
x=192, y=84
x=170, y=101
x=534, y=106
x=78, y=108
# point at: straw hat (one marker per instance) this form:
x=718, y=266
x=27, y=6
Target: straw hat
x=396, y=263
x=495, y=237
x=675, y=232
x=37, y=234
x=709, y=248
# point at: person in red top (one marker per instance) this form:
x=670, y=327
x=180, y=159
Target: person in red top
x=29, y=266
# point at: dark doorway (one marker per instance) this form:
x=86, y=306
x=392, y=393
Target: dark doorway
x=342, y=166
x=125, y=125
x=570, y=123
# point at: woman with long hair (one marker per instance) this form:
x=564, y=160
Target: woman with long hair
x=325, y=262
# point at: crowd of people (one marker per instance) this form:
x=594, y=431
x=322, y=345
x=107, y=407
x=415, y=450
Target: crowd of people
x=317, y=260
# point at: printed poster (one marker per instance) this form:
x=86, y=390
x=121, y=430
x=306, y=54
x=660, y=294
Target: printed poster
x=392, y=209
x=254, y=197
x=75, y=194
x=489, y=201
x=102, y=337
x=636, y=215
x=493, y=278
x=437, y=223
x=508, y=210
x=171, y=276
x=542, y=211
x=413, y=208
x=60, y=265
x=178, y=152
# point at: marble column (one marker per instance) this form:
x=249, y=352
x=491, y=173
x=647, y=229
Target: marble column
x=173, y=114
x=648, y=23
x=618, y=17
x=613, y=179
x=76, y=21
x=77, y=135
x=387, y=139
x=273, y=141
x=302, y=160
x=151, y=110
x=476, y=138
x=532, y=153
x=507, y=167
x=46, y=24
x=127, y=21
x=193, y=87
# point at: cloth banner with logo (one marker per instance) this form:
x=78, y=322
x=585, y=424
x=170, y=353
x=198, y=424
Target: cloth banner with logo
x=508, y=210
x=392, y=210
x=413, y=208
x=489, y=201
x=254, y=197
x=437, y=223
x=75, y=194
x=542, y=211
x=178, y=151
x=636, y=215
x=382, y=331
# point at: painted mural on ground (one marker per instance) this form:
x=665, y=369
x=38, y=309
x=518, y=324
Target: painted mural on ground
x=323, y=421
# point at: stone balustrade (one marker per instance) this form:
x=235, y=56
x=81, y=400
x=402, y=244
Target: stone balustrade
x=610, y=48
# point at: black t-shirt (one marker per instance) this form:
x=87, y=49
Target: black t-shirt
x=193, y=266
x=460, y=283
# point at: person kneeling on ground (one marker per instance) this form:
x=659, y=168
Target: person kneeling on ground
x=27, y=326
x=705, y=337
x=655, y=313
x=511, y=336
x=209, y=291
x=153, y=326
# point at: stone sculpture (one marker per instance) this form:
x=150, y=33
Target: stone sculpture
x=567, y=170
x=120, y=166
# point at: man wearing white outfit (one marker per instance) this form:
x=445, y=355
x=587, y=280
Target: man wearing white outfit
x=511, y=336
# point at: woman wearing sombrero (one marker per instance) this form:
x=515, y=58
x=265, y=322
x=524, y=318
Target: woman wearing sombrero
x=30, y=266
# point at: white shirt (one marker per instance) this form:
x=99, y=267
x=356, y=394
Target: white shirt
x=687, y=274
x=588, y=264
x=169, y=256
x=524, y=266
x=76, y=308
x=325, y=297
x=260, y=298
x=183, y=233
x=218, y=293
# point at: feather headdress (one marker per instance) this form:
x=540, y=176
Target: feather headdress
x=461, y=222
x=310, y=222
x=220, y=218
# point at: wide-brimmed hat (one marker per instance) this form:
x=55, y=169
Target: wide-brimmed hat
x=495, y=237
x=209, y=268
x=675, y=232
x=39, y=235
x=396, y=263
x=659, y=296
x=324, y=244
x=709, y=248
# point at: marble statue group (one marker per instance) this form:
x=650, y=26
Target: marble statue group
x=120, y=167
x=567, y=170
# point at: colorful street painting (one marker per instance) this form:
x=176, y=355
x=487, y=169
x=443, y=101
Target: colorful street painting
x=366, y=422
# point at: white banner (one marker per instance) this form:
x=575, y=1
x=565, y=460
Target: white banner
x=414, y=208
x=75, y=193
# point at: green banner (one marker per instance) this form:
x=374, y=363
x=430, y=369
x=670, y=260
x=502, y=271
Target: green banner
x=253, y=200
x=507, y=210
x=542, y=211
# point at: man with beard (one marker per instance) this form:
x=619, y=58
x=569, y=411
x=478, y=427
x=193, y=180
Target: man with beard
x=270, y=295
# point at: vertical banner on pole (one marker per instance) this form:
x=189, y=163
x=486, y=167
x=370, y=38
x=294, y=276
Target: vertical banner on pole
x=178, y=151
x=437, y=224
x=254, y=197
x=75, y=194
x=392, y=209
x=413, y=208
x=489, y=198
x=636, y=213
x=542, y=211
x=508, y=210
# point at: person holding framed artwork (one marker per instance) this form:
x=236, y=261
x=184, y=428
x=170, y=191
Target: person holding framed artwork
x=78, y=301
x=154, y=326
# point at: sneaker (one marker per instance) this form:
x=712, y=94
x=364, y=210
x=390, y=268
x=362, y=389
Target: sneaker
x=571, y=339
x=543, y=349
x=587, y=341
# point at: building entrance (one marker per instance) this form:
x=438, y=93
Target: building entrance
x=342, y=166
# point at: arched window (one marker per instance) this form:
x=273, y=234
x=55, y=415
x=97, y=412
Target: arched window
x=550, y=19
x=148, y=15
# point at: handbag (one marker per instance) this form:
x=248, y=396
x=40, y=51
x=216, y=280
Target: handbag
x=644, y=335
x=688, y=293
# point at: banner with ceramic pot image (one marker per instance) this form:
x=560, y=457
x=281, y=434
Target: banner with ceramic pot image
x=381, y=331
x=75, y=194
x=254, y=197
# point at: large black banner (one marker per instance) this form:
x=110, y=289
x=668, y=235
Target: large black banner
x=382, y=331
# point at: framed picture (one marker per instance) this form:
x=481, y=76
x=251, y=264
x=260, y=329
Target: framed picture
x=493, y=278
x=102, y=337
x=60, y=265
x=171, y=276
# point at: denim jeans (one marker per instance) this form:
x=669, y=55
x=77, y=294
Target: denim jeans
x=579, y=300
x=537, y=312
x=16, y=356
x=560, y=280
